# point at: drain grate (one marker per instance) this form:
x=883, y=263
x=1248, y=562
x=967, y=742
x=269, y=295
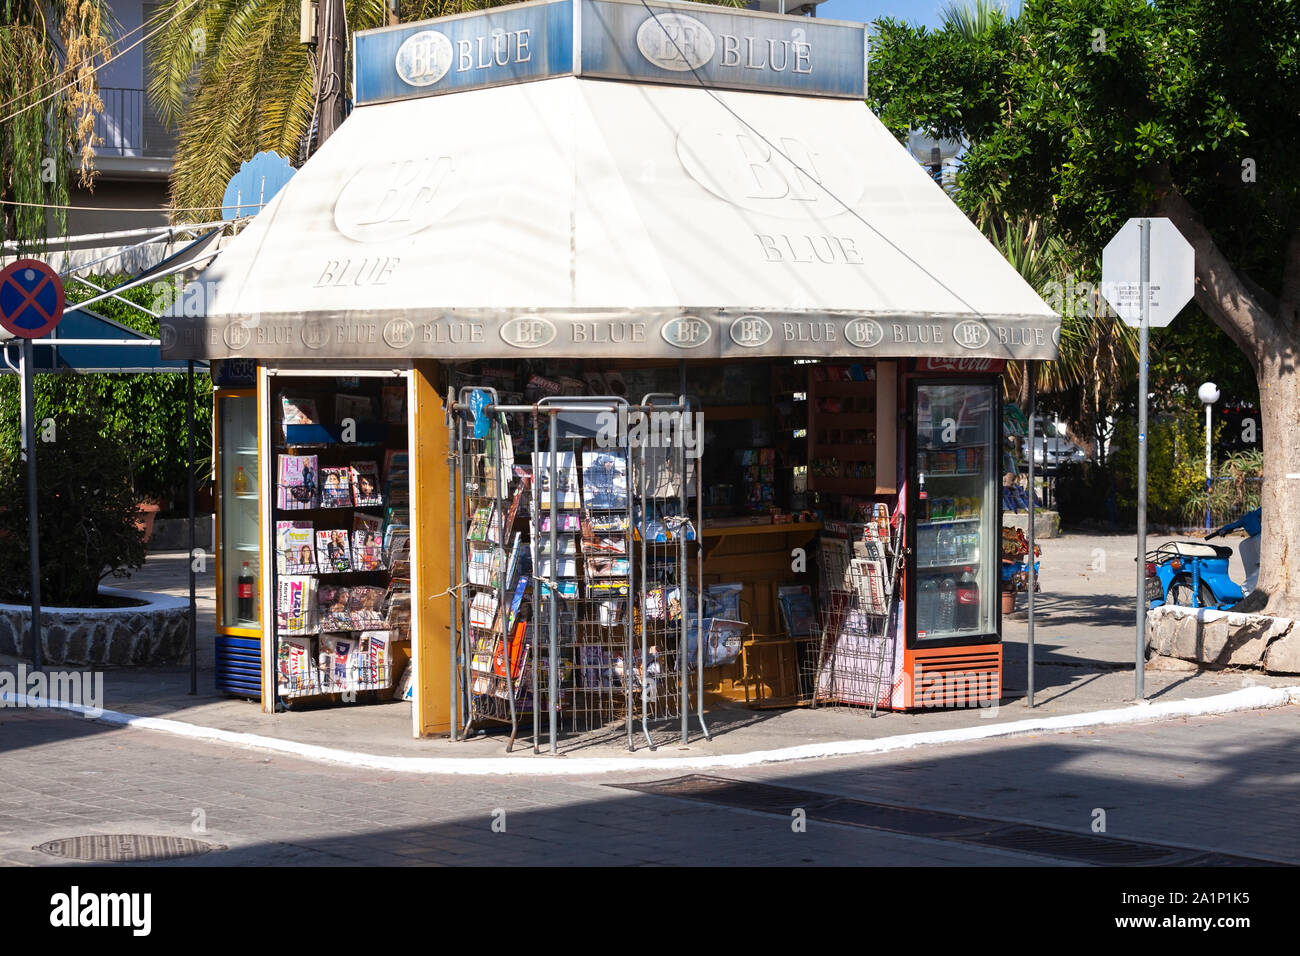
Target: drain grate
x=126, y=848
x=935, y=824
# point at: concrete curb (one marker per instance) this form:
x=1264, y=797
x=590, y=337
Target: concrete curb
x=1250, y=698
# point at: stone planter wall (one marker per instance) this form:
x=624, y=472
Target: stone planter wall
x=1223, y=639
x=1047, y=523
x=156, y=633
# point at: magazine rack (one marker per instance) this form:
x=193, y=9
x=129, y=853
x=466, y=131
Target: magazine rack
x=574, y=565
x=859, y=565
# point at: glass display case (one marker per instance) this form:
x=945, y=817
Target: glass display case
x=954, y=512
x=237, y=487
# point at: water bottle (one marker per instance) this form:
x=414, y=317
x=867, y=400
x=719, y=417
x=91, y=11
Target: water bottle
x=968, y=601
x=925, y=605
x=947, y=605
x=944, y=546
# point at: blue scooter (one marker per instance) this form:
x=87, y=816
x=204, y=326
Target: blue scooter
x=1195, y=574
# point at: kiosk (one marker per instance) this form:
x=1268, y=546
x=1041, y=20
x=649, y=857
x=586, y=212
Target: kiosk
x=541, y=199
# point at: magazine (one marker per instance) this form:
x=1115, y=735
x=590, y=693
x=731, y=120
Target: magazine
x=337, y=659
x=797, y=609
x=295, y=547
x=296, y=604
x=333, y=554
x=374, y=670
x=367, y=549
x=481, y=523
x=607, y=566
x=566, y=479
x=298, y=411
x=297, y=667
x=296, y=487
x=564, y=521
x=604, y=481
x=393, y=400
x=366, y=607
x=365, y=485
x=359, y=408
x=336, y=487
x=333, y=604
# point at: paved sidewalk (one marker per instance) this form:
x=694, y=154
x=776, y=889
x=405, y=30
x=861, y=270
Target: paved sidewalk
x=1084, y=649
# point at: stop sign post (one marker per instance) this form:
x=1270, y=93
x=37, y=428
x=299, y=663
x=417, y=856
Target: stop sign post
x=1148, y=274
x=31, y=305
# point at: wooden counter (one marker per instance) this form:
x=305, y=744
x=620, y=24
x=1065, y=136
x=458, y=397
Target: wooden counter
x=762, y=558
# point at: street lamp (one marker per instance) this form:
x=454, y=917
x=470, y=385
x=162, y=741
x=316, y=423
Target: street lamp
x=1209, y=394
x=932, y=152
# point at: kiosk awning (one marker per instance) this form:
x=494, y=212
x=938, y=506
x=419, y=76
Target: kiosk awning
x=581, y=217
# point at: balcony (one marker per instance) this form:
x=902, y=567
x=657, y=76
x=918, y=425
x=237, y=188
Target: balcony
x=129, y=129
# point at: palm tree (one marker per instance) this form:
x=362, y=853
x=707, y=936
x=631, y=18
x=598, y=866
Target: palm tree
x=972, y=18
x=48, y=104
x=233, y=77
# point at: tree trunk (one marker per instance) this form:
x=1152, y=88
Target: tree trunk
x=1267, y=329
x=1278, y=590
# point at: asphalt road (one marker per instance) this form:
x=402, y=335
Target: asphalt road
x=1175, y=790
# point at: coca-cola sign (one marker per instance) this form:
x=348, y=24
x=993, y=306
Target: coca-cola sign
x=966, y=366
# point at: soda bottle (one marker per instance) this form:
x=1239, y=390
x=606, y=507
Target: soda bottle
x=947, y=605
x=245, y=591
x=240, y=481
x=968, y=601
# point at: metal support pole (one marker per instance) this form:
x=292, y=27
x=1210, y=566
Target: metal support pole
x=1031, y=369
x=552, y=676
x=33, y=529
x=1209, y=477
x=1144, y=229
x=683, y=576
x=189, y=443
x=454, y=528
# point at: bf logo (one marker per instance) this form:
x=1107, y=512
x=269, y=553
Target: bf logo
x=751, y=331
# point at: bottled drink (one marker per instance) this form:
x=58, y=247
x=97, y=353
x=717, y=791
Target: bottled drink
x=947, y=605
x=926, y=610
x=968, y=602
x=241, y=481
x=944, y=546
x=245, y=591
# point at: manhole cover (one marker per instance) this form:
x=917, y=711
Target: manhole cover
x=125, y=847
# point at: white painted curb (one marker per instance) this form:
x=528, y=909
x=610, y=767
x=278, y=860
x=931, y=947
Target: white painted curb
x=1249, y=698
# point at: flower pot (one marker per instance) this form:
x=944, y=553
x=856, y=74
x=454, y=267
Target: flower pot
x=147, y=511
x=1008, y=601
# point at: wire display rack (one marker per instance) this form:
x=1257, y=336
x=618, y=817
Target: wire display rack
x=858, y=655
x=569, y=567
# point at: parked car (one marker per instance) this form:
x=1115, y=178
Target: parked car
x=1053, y=450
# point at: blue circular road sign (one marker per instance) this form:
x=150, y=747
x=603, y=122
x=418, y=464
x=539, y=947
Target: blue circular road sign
x=31, y=299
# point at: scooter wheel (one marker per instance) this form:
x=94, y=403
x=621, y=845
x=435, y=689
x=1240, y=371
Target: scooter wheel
x=1180, y=592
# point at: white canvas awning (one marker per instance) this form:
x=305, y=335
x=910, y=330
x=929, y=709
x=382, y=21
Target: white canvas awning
x=575, y=217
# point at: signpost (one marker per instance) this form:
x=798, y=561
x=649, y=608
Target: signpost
x=1147, y=275
x=31, y=305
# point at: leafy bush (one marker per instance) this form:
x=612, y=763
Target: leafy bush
x=1175, y=466
x=1236, y=492
x=85, y=504
x=146, y=412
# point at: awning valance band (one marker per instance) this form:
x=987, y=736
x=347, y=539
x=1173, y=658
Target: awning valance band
x=644, y=333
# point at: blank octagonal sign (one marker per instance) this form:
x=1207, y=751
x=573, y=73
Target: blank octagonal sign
x=1172, y=279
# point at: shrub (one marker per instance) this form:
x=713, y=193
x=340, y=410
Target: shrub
x=85, y=505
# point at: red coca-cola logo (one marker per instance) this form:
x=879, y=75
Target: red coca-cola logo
x=968, y=597
x=246, y=590
x=936, y=364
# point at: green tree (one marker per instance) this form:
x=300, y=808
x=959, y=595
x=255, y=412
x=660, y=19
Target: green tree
x=1089, y=112
x=49, y=100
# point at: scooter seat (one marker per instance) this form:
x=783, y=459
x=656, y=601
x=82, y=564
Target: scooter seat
x=1198, y=549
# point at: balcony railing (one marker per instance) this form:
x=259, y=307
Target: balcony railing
x=128, y=126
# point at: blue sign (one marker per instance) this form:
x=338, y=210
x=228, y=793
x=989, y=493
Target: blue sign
x=257, y=181
x=681, y=43
x=694, y=44
x=528, y=41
